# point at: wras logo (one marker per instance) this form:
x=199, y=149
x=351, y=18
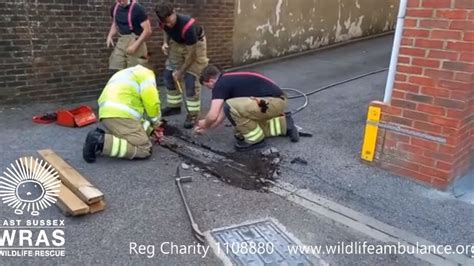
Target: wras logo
x=17, y=236
x=30, y=185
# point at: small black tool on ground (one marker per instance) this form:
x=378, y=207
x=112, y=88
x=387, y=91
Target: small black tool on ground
x=299, y=160
x=185, y=179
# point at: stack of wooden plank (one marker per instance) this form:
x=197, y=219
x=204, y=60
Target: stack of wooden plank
x=77, y=196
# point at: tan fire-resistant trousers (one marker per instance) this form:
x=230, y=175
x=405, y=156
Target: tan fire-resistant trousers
x=125, y=138
x=251, y=123
x=120, y=59
x=176, y=57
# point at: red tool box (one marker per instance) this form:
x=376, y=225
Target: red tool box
x=77, y=117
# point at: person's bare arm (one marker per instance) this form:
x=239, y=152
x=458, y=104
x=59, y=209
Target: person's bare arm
x=219, y=119
x=146, y=33
x=213, y=118
x=214, y=112
x=111, y=35
x=165, y=47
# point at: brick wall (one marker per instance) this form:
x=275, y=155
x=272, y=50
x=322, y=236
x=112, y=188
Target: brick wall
x=433, y=97
x=55, y=50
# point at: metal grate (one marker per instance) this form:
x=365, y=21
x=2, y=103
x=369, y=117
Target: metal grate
x=258, y=243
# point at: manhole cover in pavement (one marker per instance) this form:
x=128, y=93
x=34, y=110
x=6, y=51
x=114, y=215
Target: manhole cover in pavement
x=259, y=243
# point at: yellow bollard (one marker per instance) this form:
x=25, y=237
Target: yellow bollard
x=371, y=130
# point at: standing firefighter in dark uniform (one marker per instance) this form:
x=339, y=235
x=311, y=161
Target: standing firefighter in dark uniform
x=185, y=45
x=252, y=102
x=130, y=21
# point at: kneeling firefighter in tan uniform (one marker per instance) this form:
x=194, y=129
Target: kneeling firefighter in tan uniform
x=128, y=95
x=130, y=21
x=253, y=104
x=185, y=45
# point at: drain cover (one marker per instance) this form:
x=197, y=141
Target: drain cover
x=258, y=243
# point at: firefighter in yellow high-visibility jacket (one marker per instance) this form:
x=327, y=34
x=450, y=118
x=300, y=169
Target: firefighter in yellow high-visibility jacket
x=129, y=111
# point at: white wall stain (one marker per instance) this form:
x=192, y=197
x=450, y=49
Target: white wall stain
x=293, y=48
x=338, y=25
x=267, y=25
x=307, y=29
x=353, y=29
x=255, y=51
x=278, y=11
x=309, y=41
x=387, y=26
x=325, y=40
x=347, y=23
x=317, y=42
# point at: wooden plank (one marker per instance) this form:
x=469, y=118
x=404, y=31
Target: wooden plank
x=70, y=204
x=72, y=178
x=67, y=201
x=97, y=207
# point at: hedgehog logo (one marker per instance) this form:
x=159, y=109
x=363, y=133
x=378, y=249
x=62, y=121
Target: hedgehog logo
x=29, y=185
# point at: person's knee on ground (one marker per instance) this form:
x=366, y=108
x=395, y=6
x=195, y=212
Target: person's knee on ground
x=143, y=152
x=120, y=147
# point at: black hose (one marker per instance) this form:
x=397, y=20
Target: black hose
x=302, y=94
x=305, y=95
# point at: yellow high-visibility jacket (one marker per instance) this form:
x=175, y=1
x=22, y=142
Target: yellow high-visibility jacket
x=131, y=93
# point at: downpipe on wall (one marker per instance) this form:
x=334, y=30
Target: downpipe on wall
x=395, y=51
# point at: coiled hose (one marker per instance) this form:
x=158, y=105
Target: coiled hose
x=305, y=95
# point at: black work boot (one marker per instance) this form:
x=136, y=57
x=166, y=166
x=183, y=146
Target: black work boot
x=239, y=137
x=94, y=144
x=291, y=130
x=167, y=111
x=190, y=121
x=241, y=145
